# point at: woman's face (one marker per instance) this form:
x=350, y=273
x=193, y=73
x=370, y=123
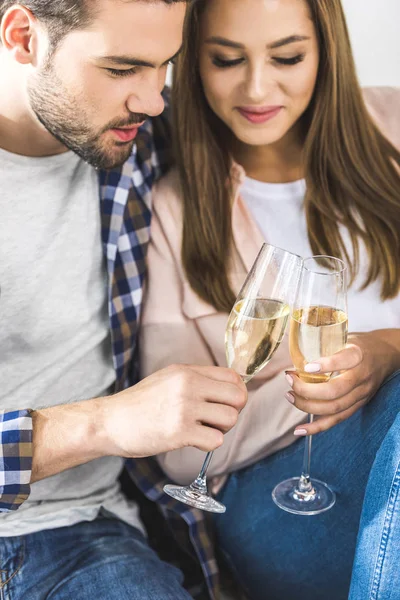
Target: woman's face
x=258, y=63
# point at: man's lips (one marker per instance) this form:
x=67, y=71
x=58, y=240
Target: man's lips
x=127, y=134
x=259, y=114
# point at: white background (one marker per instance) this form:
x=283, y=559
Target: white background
x=375, y=32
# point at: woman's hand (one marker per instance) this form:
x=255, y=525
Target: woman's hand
x=367, y=360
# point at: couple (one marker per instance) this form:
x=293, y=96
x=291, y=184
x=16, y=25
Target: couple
x=273, y=141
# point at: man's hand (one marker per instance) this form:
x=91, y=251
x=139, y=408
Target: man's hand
x=364, y=364
x=177, y=407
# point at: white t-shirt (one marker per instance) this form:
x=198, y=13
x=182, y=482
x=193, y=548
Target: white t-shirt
x=278, y=211
x=55, y=341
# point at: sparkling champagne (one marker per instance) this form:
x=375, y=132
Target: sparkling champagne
x=316, y=332
x=254, y=331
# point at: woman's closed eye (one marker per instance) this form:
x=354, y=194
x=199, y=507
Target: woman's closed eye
x=289, y=61
x=224, y=63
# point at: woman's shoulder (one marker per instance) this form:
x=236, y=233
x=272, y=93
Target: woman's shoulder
x=383, y=104
x=167, y=193
x=167, y=210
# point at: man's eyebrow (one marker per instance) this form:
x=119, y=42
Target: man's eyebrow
x=221, y=41
x=137, y=62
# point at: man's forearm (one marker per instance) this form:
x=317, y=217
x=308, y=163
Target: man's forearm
x=170, y=409
x=66, y=436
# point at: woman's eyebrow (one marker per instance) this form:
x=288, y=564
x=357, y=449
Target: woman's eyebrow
x=221, y=41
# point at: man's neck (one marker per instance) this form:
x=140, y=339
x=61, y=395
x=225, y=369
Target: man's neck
x=20, y=131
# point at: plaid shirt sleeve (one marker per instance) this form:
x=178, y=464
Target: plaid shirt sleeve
x=15, y=459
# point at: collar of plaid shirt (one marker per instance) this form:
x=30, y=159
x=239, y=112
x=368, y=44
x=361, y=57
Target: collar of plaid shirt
x=126, y=218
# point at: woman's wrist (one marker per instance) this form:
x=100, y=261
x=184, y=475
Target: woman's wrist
x=385, y=344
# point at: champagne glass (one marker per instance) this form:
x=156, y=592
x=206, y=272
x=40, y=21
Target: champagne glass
x=318, y=328
x=255, y=329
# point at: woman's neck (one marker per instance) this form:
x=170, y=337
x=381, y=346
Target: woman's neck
x=276, y=163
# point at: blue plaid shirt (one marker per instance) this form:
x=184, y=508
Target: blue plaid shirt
x=125, y=198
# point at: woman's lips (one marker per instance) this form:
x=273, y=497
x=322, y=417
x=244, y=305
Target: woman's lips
x=259, y=115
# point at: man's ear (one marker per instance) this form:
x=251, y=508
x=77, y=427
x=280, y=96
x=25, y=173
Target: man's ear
x=18, y=34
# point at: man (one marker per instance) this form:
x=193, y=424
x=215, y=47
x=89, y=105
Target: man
x=79, y=79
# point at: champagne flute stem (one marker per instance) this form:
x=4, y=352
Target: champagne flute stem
x=305, y=485
x=200, y=483
x=206, y=464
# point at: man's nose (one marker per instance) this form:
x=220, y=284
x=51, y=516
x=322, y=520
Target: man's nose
x=147, y=98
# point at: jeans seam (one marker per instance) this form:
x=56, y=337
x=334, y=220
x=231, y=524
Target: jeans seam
x=236, y=575
x=394, y=492
x=21, y=562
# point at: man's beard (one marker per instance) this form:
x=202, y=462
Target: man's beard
x=64, y=118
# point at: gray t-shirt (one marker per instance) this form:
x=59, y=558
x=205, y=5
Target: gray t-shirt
x=55, y=344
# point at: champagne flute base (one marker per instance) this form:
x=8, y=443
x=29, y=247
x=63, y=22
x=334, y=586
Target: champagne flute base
x=192, y=497
x=287, y=496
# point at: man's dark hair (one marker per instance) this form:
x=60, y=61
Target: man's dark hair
x=62, y=16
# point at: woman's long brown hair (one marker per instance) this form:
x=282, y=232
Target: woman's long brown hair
x=351, y=169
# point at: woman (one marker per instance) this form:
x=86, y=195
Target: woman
x=276, y=142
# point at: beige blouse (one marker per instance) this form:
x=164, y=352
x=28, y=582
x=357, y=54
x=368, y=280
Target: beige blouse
x=178, y=327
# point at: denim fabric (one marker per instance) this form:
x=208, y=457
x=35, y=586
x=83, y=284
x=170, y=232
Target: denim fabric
x=376, y=572
x=279, y=556
x=105, y=559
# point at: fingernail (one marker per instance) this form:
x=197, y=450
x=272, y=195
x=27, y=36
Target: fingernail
x=300, y=432
x=289, y=397
x=312, y=368
x=289, y=379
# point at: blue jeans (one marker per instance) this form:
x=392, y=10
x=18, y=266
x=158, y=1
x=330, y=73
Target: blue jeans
x=275, y=555
x=376, y=572
x=101, y=560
